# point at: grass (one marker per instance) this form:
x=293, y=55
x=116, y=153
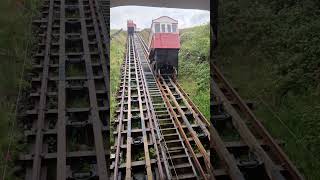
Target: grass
x=15, y=37
x=76, y=70
x=194, y=70
x=292, y=121
x=117, y=52
x=145, y=35
x=152, y=153
x=269, y=52
x=78, y=102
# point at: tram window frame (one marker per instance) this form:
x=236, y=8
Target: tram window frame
x=174, y=27
x=157, y=27
x=169, y=28
x=163, y=27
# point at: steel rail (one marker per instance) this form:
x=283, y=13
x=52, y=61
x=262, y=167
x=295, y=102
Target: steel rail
x=121, y=113
x=134, y=77
x=143, y=126
x=271, y=169
x=143, y=44
x=191, y=105
x=105, y=44
x=181, y=130
x=104, y=16
x=129, y=138
x=193, y=133
x=149, y=106
x=260, y=129
x=163, y=146
x=66, y=38
x=226, y=157
x=220, y=147
x=187, y=123
x=100, y=30
x=154, y=115
x=192, y=109
x=61, y=124
x=43, y=97
x=167, y=101
x=96, y=122
x=231, y=165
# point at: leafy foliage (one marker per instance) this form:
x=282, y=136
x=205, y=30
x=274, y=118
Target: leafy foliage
x=117, y=50
x=145, y=34
x=195, y=43
x=194, y=70
x=15, y=49
x=270, y=50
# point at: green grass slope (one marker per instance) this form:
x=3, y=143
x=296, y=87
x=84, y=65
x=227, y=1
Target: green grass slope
x=117, y=52
x=194, y=70
x=15, y=48
x=145, y=34
x=270, y=51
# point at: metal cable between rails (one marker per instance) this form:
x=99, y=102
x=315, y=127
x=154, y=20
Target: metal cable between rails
x=157, y=128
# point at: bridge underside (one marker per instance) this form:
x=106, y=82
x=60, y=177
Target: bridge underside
x=183, y=4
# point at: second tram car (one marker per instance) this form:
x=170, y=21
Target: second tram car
x=131, y=27
x=164, y=45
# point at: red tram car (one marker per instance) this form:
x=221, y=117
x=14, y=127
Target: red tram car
x=131, y=27
x=164, y=45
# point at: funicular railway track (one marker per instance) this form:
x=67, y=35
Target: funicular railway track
x=241, y=147
x=184, y=117
x=187, y=120
x=250, y=150
x=160, y=134
x=171, y=138
x=66, y=123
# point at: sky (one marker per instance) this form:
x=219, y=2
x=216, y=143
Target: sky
x=143, y=16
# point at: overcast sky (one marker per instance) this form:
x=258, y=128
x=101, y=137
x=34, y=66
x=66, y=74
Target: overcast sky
x=143, y=16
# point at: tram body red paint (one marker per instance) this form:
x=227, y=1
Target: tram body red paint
x=164, y=45
x=165, y=41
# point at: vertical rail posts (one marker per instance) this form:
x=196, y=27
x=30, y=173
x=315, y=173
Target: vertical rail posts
x=141, y=109
x=94, y=111
x=102, y=36
x=151, y=115
x=69, y=94
x=37, y=159
x=271, y=169
x=258, y=130
x=121, y=116
x=129, y=115
x=167, y=92
x=61, y=123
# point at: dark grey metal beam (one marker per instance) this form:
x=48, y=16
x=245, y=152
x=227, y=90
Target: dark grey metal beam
x=61, y=123
x=43, y=97
x=97, y=125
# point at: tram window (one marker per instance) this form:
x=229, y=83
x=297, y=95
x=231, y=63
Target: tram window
x=157, y=28
x=169, y=27
x=163, y=28
x=174, y=28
